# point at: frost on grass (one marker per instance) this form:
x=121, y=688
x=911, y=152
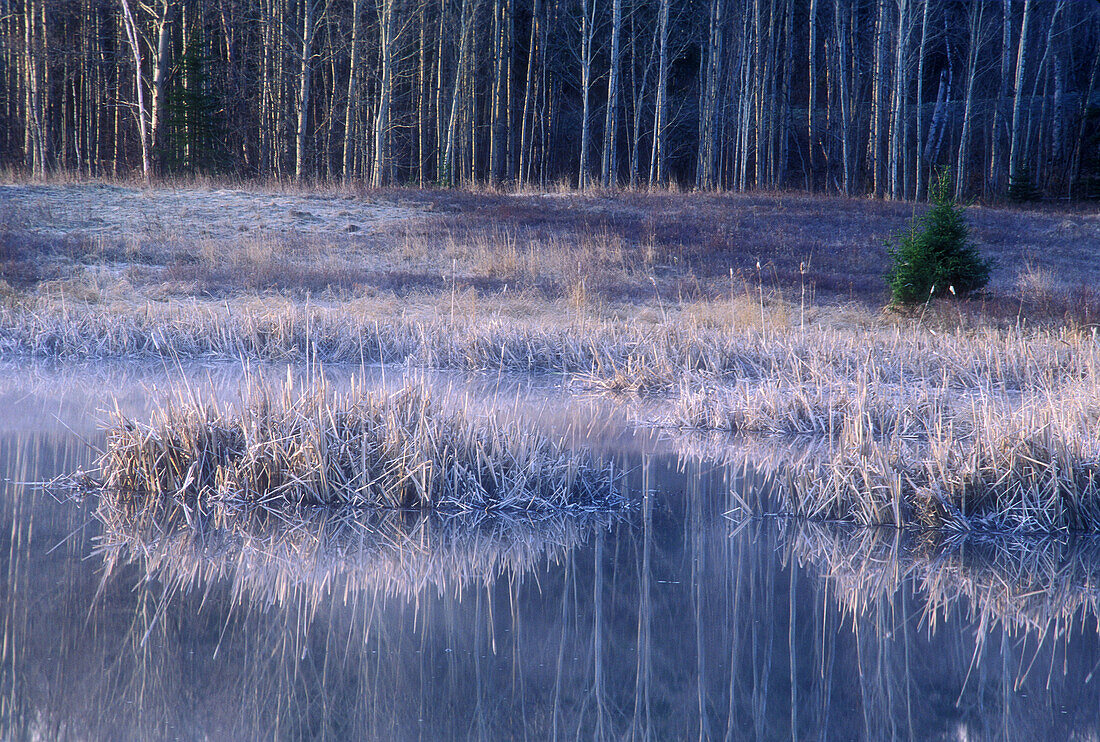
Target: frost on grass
x=371, y=449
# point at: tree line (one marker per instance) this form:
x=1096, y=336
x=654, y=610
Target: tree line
x=846, y=96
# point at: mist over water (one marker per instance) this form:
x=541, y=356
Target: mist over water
x=670, y=621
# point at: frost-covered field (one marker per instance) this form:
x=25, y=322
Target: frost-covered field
x=217, y=213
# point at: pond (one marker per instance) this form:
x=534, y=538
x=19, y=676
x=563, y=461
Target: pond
x=676, y=619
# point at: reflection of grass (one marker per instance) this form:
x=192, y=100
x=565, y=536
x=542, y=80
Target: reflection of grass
x=362, y=449
x=276, y=556
x=1040, y=585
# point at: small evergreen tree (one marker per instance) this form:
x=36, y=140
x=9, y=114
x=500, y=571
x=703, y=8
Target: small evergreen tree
x=934, y=254
x=1021, y=187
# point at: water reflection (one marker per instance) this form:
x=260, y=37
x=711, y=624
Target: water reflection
x=673, y=623
x=303, y=554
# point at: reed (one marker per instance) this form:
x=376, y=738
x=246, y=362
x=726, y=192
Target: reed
x=361, y=449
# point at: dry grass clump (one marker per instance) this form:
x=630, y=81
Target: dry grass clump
x=360, y=449
x=1034, y=470
x=836, y=409
x=278, y=556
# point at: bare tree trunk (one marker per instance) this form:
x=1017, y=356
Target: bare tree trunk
x=842, y=38
x=135, y=47
x=939, y=118
x=35, y=63
x=309, y=28
x=500, y=124
x=611, y=120
x=811, y=105
x=660, y=113
x=898, y=118
x=1015, y=153
x=529, y=92
x=1079, y=140
x=353, y=90
x=166, y=11
x=918, y=163
x=588, y=21
x=708, y=108
x=996, y=163
x=385, y=93
x=962, y=163
x=638, y=90
x=880, y=118
x=449, y=164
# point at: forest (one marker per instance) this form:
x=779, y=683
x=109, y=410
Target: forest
x=854, y=97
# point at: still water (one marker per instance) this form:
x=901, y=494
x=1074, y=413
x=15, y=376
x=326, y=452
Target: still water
x=673, y=621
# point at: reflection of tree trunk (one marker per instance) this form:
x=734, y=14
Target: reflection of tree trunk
x=698, y=568
x=597, y=641
x=792, y=645
x=643, y=659
x=567, y=584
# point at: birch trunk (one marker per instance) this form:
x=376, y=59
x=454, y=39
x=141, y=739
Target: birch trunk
x=166, y=10
x=1015, y=152
x=309, y=27
x=352, y=106
x=385, y=93
x=611, y=120
x=660, y=110
x=962, y=163
x=135, y=48
x=999, y=134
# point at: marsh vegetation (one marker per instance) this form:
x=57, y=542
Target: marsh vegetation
x=441, y=552
x=703, y=312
